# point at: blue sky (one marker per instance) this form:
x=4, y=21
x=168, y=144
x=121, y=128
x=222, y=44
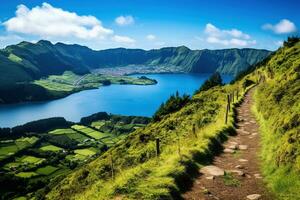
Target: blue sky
x=147, y=24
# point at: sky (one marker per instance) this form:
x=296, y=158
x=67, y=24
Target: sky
x=151, y=24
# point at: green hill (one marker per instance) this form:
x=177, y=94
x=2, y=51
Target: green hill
x=278, y=109
x=191, y=135
x=27, y=61
x=22, y=64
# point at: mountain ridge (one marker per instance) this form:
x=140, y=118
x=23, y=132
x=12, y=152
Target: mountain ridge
x=35, y=60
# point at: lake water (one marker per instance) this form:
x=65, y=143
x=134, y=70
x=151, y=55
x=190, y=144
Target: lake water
x=116, y=99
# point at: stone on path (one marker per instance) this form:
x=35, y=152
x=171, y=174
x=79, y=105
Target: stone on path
x=243, y=132
x=212, y=170
x=227, y=150
x=238, y=172
x=243, y=160
x=210, y=177
x=233, y=146
x=239, y=167
x=253, y=196
x=243, y=147
x=257, y=176
x=233, y=143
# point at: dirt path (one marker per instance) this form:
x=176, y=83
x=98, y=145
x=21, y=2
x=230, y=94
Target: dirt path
x=234, y=174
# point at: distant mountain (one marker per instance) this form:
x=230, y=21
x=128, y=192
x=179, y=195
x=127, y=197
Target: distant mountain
x=28, y=61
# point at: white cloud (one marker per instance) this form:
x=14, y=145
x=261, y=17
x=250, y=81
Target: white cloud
x=124, y=20
x=151, y=37
x=237, y=33
x=212, y=30
x=123, y=39
x=47, y=21
x=232, y=37
x=284, y=26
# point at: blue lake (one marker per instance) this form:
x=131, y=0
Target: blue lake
x=116, y=99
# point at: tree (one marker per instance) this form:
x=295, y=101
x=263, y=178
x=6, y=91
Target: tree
x=291, y=41
x=173, y=104
x=214, y=80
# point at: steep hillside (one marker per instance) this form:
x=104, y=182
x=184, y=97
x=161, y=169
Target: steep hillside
x=227, y=61
x=278, y=109
x=11, y=70
x=132, y=169
x=189, y=137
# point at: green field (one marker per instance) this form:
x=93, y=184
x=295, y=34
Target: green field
x=70, y=82
x=82, y=145
x=8, y=166
x=72, y=134
x=26, y=174
x=86, y=152
x=82, y=154
x=8, y=149
x=24, y=161
x=20, y=198
x=30, y=159
x=14, y=58
x=90, y=132
x=62, y=131
x=47, y=170
x=108, y=141
x=50, y=148
x=63, y=82
x=97, y=124
x=76, y=157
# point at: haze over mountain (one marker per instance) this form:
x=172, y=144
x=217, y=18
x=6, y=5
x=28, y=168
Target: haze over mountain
x=27, y=61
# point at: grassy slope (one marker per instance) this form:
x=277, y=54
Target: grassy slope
x=278, y=110
x=138, y=173
x=11, y=71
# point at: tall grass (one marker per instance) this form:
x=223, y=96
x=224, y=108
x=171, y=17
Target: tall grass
x=277, y=107
x=139, y=174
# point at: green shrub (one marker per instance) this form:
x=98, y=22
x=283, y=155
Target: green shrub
x=214, y=80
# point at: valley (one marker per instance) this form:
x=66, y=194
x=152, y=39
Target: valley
x=117, y=156
x=33, y=156
x=151, y=100
x=24, y=64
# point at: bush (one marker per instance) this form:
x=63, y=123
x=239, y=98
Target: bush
x=214, y=80
x=247, y=83
x=291, y=41
x=173, y=104
x=94, y=117
x=41, y=126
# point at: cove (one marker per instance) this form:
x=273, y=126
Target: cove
x=117, y=99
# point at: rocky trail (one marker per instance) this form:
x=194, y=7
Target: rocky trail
x=234, y=174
